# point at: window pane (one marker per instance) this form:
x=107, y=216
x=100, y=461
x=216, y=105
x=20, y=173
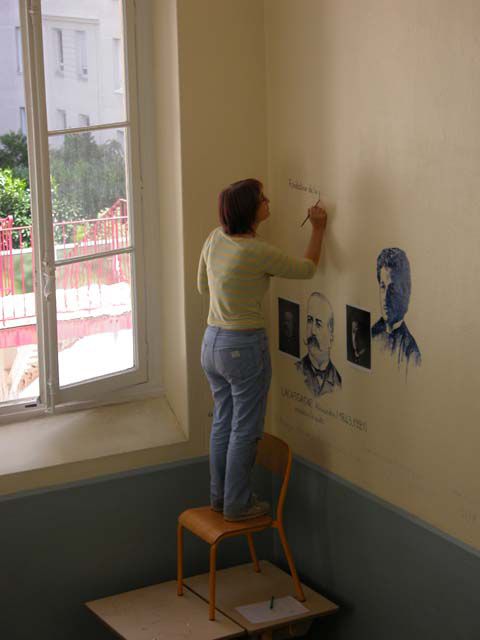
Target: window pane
x=94, y=312
x=18, y=47
x=83, y=120
x=81, y=50
x=84, y=73
x=61, y=119
x=58, y=49
x=23, y=121
x=88, y=193
x=18, y=325
x=117, y=64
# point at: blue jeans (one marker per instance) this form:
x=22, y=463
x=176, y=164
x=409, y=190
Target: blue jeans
x=237, y=365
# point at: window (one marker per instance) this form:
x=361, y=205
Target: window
x=18, y=46
x=61, y=119
x=58, y=48
x=77, y=333
x=81, y=51
x=83, y=120
x=117, y=65
x=23, y=121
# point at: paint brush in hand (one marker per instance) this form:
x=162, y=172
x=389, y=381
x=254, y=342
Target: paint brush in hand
x=308, y=215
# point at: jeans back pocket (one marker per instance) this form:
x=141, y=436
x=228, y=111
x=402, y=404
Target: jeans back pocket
x=238, y=363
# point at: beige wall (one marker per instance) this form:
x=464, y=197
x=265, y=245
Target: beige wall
x=218, y=109
x=376, y=104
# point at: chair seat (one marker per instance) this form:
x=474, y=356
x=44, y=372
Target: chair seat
x=210, y=526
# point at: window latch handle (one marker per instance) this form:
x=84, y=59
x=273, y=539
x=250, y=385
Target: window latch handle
x=48, y=273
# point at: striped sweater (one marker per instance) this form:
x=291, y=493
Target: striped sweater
x=237, y=272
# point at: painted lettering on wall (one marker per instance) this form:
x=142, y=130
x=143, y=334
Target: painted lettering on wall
x=313, y=410
x=301, y=186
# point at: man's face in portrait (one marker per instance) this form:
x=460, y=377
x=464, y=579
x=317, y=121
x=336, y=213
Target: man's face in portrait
x=393, y=296
x=319, y=331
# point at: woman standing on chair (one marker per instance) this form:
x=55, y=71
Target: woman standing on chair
x=235, y=267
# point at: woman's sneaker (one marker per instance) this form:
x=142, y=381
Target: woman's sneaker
x=255, y=510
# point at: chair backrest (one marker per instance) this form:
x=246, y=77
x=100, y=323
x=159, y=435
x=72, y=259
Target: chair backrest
x=274, y=455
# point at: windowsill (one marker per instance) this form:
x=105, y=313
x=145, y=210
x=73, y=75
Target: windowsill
x=88, y=443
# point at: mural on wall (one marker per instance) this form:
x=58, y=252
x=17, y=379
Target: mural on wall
x=390, y=332
x=358, y=337
x=289, y=327
x=316, y=367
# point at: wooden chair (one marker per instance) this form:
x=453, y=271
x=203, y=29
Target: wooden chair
x=273, y=454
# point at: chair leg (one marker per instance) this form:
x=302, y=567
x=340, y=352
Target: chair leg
x=293, y=571
x=251, y=546
x=179, y=560
x=213, y=562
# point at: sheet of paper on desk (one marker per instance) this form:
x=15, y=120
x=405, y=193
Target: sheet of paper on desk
x=285, y=607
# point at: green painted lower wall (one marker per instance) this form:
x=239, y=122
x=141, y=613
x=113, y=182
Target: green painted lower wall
x=394, y=577
x=65, y=546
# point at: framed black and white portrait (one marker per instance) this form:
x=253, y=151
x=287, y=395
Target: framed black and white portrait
x=359, y=352
x=289, y=327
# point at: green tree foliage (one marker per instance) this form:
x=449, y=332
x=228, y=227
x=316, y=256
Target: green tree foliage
x=15, y=201
x=14, y=154
x=86, y=179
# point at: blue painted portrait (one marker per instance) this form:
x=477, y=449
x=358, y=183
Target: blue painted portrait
x=319, y=373
x=390, y=331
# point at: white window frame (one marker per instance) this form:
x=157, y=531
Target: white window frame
x=81, y=49
x=108, y=388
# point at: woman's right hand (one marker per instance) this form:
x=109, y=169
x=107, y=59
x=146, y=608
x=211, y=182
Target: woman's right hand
x=317, y=216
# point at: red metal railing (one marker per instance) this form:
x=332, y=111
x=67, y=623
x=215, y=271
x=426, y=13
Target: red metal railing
x=6, y=256
x=108, y=232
